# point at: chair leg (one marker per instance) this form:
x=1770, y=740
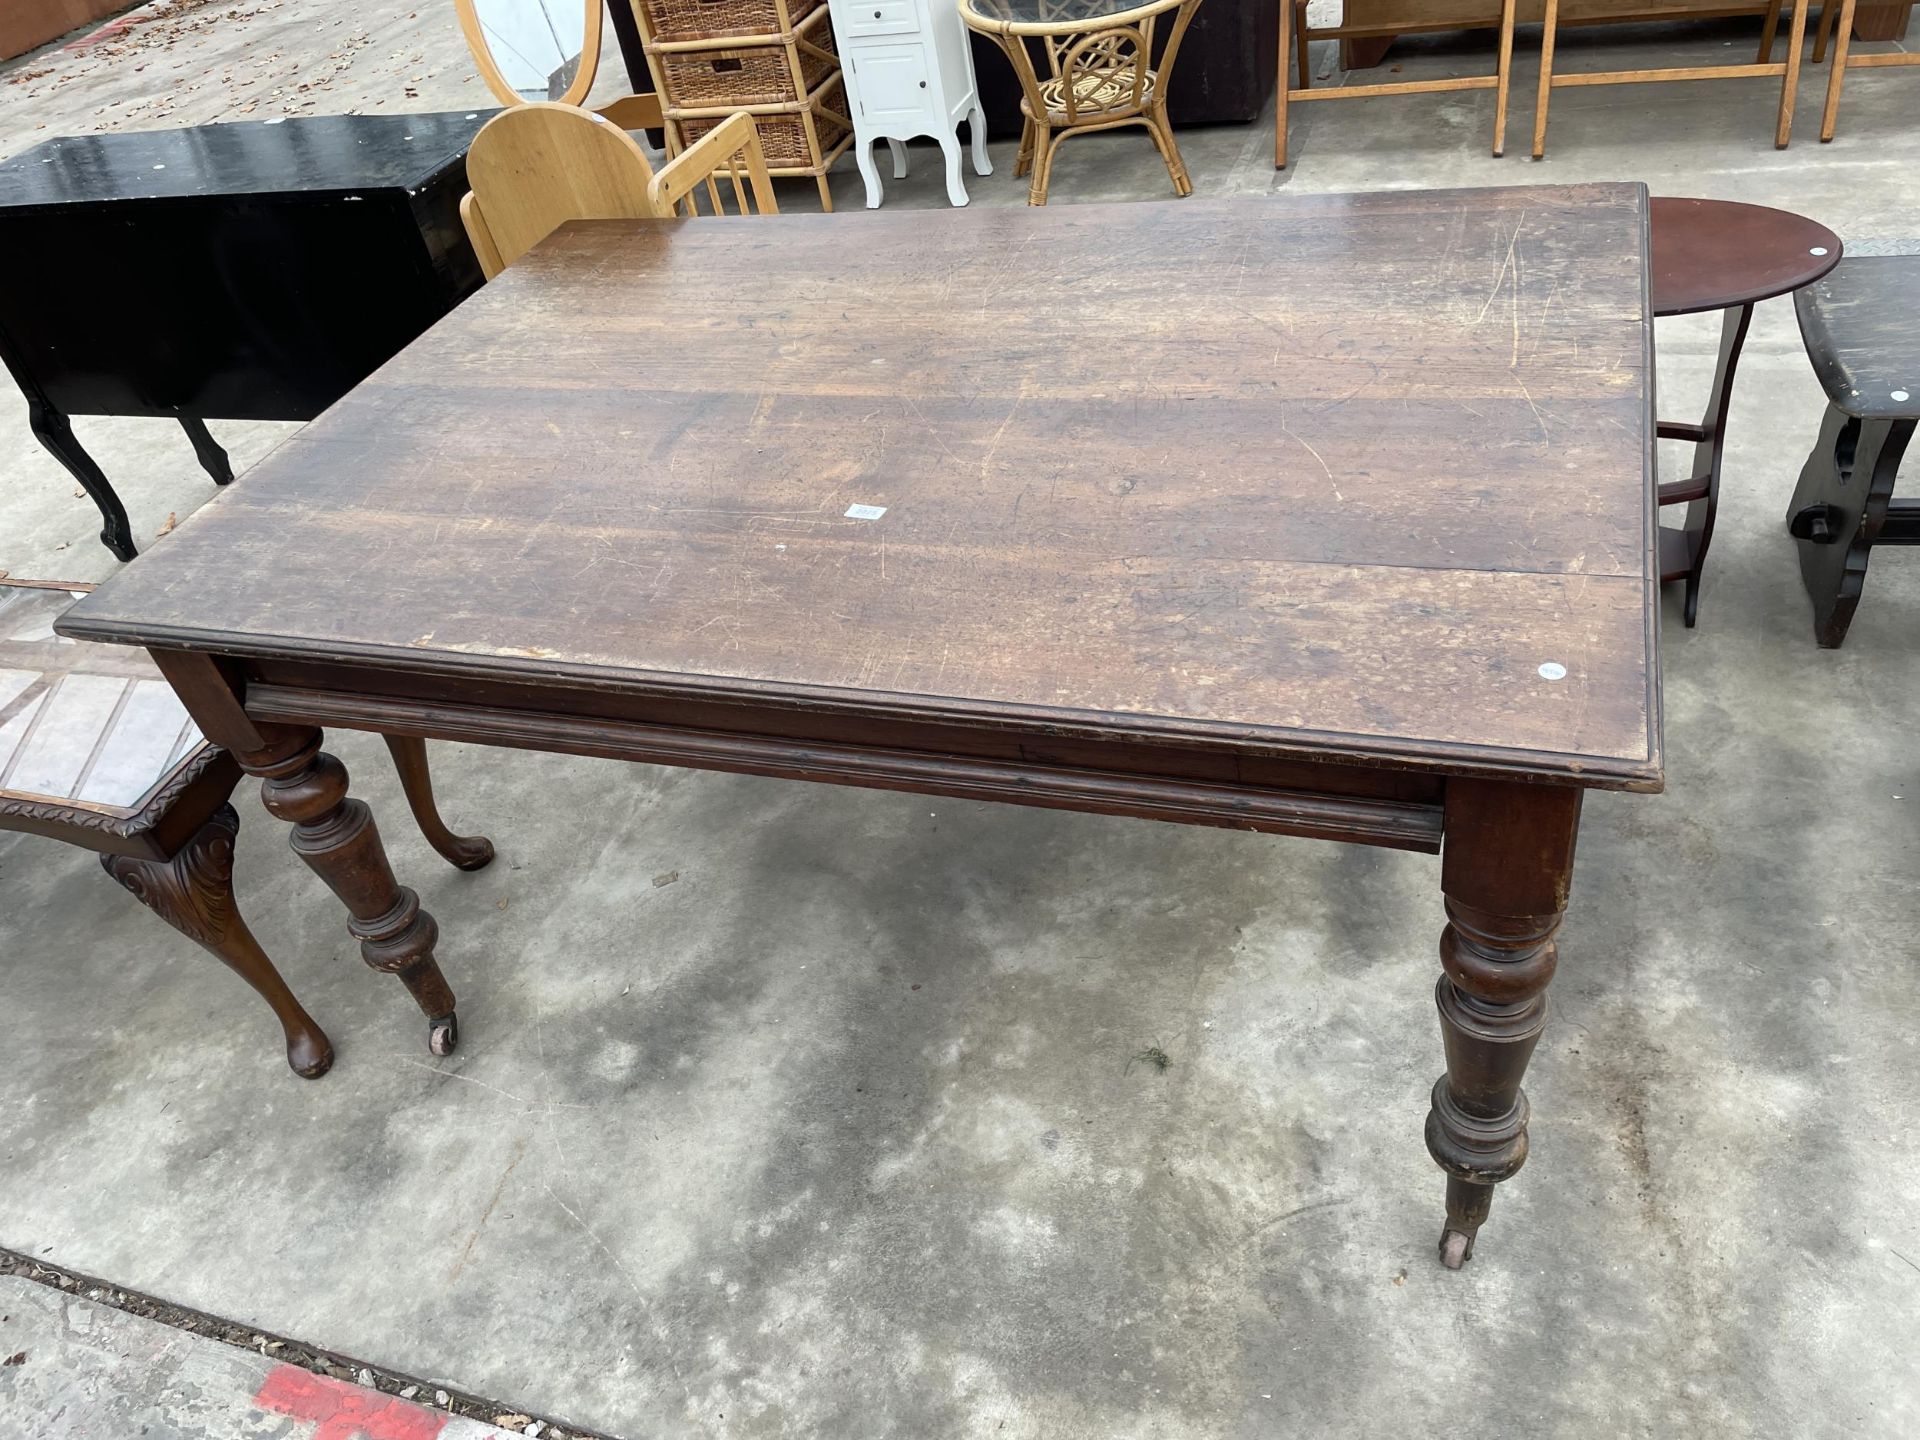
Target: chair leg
x=1287, y=15
x=193, y=892
x=465, y=852
x=1837, y=76
x=1023, y=163
x=1790, y=83
x=1505, y=75
x=1547, y=33
x=1161, y=129
x=1825, y=34
x=1044, y=146
x=207, y=450
x=826, y=195
x=1302, y=61
x=1767, y=32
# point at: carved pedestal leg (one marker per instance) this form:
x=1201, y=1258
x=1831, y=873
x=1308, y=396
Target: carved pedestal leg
x=193, y=892
x=1506, y=865
x=212, y=458
x=337, y=839
x=1841, y=510
x=466, y=852
x=53, y=430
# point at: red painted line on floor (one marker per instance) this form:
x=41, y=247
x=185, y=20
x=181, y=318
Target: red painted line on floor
x=346, y=1411
x=105, y=32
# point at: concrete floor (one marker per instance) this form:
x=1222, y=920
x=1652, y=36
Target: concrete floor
x=837, y=1134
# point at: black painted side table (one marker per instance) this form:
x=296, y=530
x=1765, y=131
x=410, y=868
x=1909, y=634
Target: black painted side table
x=1720, y=255
x=1861, y=326
x=255, y=271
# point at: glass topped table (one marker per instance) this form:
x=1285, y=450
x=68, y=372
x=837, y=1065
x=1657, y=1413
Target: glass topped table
x=1094, y=73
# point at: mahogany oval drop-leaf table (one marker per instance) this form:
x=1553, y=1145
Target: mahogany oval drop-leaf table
x=1326, y=516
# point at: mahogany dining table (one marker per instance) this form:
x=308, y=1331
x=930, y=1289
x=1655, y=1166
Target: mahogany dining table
x=1326, y=516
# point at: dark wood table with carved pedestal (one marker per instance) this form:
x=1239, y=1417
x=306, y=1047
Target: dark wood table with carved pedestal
x=1328, y=517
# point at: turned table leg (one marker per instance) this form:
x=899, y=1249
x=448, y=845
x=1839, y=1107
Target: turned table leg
x=1506, y=863
x=336, y=837
x=193, y=892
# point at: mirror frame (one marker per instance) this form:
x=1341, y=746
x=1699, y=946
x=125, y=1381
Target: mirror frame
x=497, y=80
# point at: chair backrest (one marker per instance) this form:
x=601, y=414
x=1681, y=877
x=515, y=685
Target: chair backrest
x=534, y=167
x=731, y=148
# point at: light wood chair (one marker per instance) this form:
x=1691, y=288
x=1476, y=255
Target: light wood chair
x=1844, y=59
x=1296, y=35
x=535, y=167
x=1764, y=65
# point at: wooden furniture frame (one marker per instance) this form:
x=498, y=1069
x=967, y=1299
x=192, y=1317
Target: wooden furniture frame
x=1296, y=35
x=694, y=553
x=731, y=149
x=1726, y=256
x=815, y=117
x=1844, y=60
x=535, y=167
x=1788, y=70
x=1858, y=327
x=140, y=788
x=1099, y=76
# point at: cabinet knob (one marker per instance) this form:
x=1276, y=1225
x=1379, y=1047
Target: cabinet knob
x=923, y=84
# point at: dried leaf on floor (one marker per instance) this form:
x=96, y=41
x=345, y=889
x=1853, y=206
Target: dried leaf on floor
x=172, y=520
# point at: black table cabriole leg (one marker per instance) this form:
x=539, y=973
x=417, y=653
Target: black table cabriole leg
x=53, y=430
x=1686, y=558
x=212, y=458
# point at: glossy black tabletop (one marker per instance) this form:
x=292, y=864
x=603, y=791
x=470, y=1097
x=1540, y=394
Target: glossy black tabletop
x=320, y=154
x=1062, y=14
x=1859, y=327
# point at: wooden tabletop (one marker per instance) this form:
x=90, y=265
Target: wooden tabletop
x=1714, y=254
x=1342, y=476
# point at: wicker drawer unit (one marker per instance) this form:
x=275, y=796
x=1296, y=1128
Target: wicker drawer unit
x=671, y=20
x=751, y=74
x=791, y=138
x=775, y=59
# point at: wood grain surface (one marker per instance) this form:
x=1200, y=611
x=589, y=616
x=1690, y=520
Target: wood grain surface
x=1330, y=476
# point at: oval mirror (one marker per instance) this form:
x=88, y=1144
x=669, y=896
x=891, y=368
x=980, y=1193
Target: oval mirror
x=534, y=49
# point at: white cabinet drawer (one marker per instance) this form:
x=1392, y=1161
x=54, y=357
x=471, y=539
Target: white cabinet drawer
x=855, y=18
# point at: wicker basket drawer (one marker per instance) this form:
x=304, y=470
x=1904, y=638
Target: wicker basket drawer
x=783, y=138
x=748, y=75
x=716, y=19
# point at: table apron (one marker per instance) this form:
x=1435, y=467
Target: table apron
x=1400, y=824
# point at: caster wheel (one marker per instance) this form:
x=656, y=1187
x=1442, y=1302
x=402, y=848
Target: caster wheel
x=1456, y=1248
x=443, y=1034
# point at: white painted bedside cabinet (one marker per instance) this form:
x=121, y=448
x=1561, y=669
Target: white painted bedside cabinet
x=909, y=72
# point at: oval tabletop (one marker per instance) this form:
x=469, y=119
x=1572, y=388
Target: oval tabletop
x=1714, y=254
x=1057, y=15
